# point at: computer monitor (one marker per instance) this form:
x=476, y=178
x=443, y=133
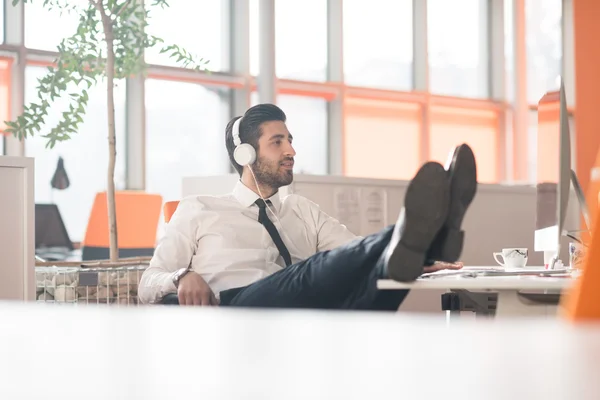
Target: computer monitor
x=554, y=177
x=50, y=230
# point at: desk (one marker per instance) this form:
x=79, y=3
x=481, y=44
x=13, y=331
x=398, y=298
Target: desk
x=510, y=302
x=157, y=352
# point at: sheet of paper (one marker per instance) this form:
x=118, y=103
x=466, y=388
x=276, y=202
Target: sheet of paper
x=347, y=207
x=373, y=210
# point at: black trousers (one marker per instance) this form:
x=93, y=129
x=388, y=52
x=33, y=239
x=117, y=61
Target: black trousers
x=342, y=278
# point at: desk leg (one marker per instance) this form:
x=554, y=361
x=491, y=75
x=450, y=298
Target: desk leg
x=452, y=316
x=510, y=304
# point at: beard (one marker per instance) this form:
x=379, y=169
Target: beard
x=270, y=173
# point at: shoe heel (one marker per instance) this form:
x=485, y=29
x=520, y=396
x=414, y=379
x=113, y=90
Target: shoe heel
x=449, y=244
x=405, y=264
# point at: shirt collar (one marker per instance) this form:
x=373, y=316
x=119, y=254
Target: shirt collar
x=247, y=197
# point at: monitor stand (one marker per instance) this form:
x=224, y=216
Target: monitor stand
x=552, y=264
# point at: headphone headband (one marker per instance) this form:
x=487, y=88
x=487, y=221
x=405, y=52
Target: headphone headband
x=236, y=132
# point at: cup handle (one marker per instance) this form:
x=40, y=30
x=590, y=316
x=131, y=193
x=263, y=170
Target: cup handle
x=496, y=255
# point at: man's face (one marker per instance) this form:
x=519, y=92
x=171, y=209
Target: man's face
x=275, y=157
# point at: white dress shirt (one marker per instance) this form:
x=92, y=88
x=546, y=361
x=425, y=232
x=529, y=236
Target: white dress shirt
x=221, y=239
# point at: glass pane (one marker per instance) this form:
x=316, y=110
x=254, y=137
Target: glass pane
x=378, y=133
x=85, y=154
x=254, y=38
x=457, y=47
x=310, y=134
x=4, y=97
x=200, y=27
x=544, y=47
x=378, y=43
x=185, y=134
x=532, y=138
x=1, y=23
x=62, y=26
x=301, y=53
x=478, y=128
x=509, y=49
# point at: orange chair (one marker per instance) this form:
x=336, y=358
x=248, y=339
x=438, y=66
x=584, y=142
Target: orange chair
x=138, y=214
x=169, y=209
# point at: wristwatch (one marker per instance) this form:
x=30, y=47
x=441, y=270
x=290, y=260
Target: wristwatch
x=180, y=274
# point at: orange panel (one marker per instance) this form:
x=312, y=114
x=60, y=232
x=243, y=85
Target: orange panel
x=138, y=214
x=382, y=138
x=548, y=138
x=5, y=66
x=582, y=303
x=478, y=128
x=587, y=87
x=593, y=192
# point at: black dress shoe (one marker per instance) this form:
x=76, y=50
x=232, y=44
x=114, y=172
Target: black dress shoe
x=462, y=173
x=425, y=209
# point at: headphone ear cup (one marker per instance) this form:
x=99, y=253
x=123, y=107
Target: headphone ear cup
x=244, y=154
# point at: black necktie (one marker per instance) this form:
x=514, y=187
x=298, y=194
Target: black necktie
x=263, y=218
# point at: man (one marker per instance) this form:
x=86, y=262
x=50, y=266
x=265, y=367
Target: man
x=253, y=249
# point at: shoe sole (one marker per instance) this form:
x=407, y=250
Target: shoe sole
x=425, y=209
x=462, y=173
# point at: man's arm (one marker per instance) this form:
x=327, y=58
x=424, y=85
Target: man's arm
x=174, y=251
x=330, y=232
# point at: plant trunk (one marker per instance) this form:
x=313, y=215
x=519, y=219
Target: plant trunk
x=112, y=149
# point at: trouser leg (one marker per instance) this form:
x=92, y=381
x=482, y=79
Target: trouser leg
x=344, y=277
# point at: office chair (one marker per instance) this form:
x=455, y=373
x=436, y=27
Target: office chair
x=138, y=214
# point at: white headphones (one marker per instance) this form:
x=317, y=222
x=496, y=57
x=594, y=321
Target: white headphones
x=244, y=153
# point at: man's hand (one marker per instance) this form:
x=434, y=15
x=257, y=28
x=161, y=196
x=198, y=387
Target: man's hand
x=439, y=265
x=194, y=291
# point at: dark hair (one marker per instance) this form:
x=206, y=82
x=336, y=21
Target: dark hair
x=250, y=128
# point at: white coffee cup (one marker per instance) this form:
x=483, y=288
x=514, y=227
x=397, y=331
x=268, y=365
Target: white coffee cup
x=513, y=257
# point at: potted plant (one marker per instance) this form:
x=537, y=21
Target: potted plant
x=109, y=44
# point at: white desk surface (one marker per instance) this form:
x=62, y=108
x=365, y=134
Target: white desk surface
x=483, y=282
x=77, y=352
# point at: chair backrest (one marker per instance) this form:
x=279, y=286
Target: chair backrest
x=169, y=209
x=138, y=214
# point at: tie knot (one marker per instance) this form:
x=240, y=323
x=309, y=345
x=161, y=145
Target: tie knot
x=261, y=203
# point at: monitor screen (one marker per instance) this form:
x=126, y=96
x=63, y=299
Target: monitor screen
x=50, y=230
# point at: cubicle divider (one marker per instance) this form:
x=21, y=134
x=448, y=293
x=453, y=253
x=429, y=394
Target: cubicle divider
x=17, y=231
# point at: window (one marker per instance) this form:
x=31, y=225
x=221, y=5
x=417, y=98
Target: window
x=544, y=47
x=37, y=15
x=509, y=49
x=458, y=47
x=378, y=43
x=200, y=27
x=85, y=154
x=4, y=97
x=254, y=38
x=307, y=122
x=185, y=134
x=301, y=53
x=532, y=145
x=1, y=23
x=452, y=126
x=382, y=138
